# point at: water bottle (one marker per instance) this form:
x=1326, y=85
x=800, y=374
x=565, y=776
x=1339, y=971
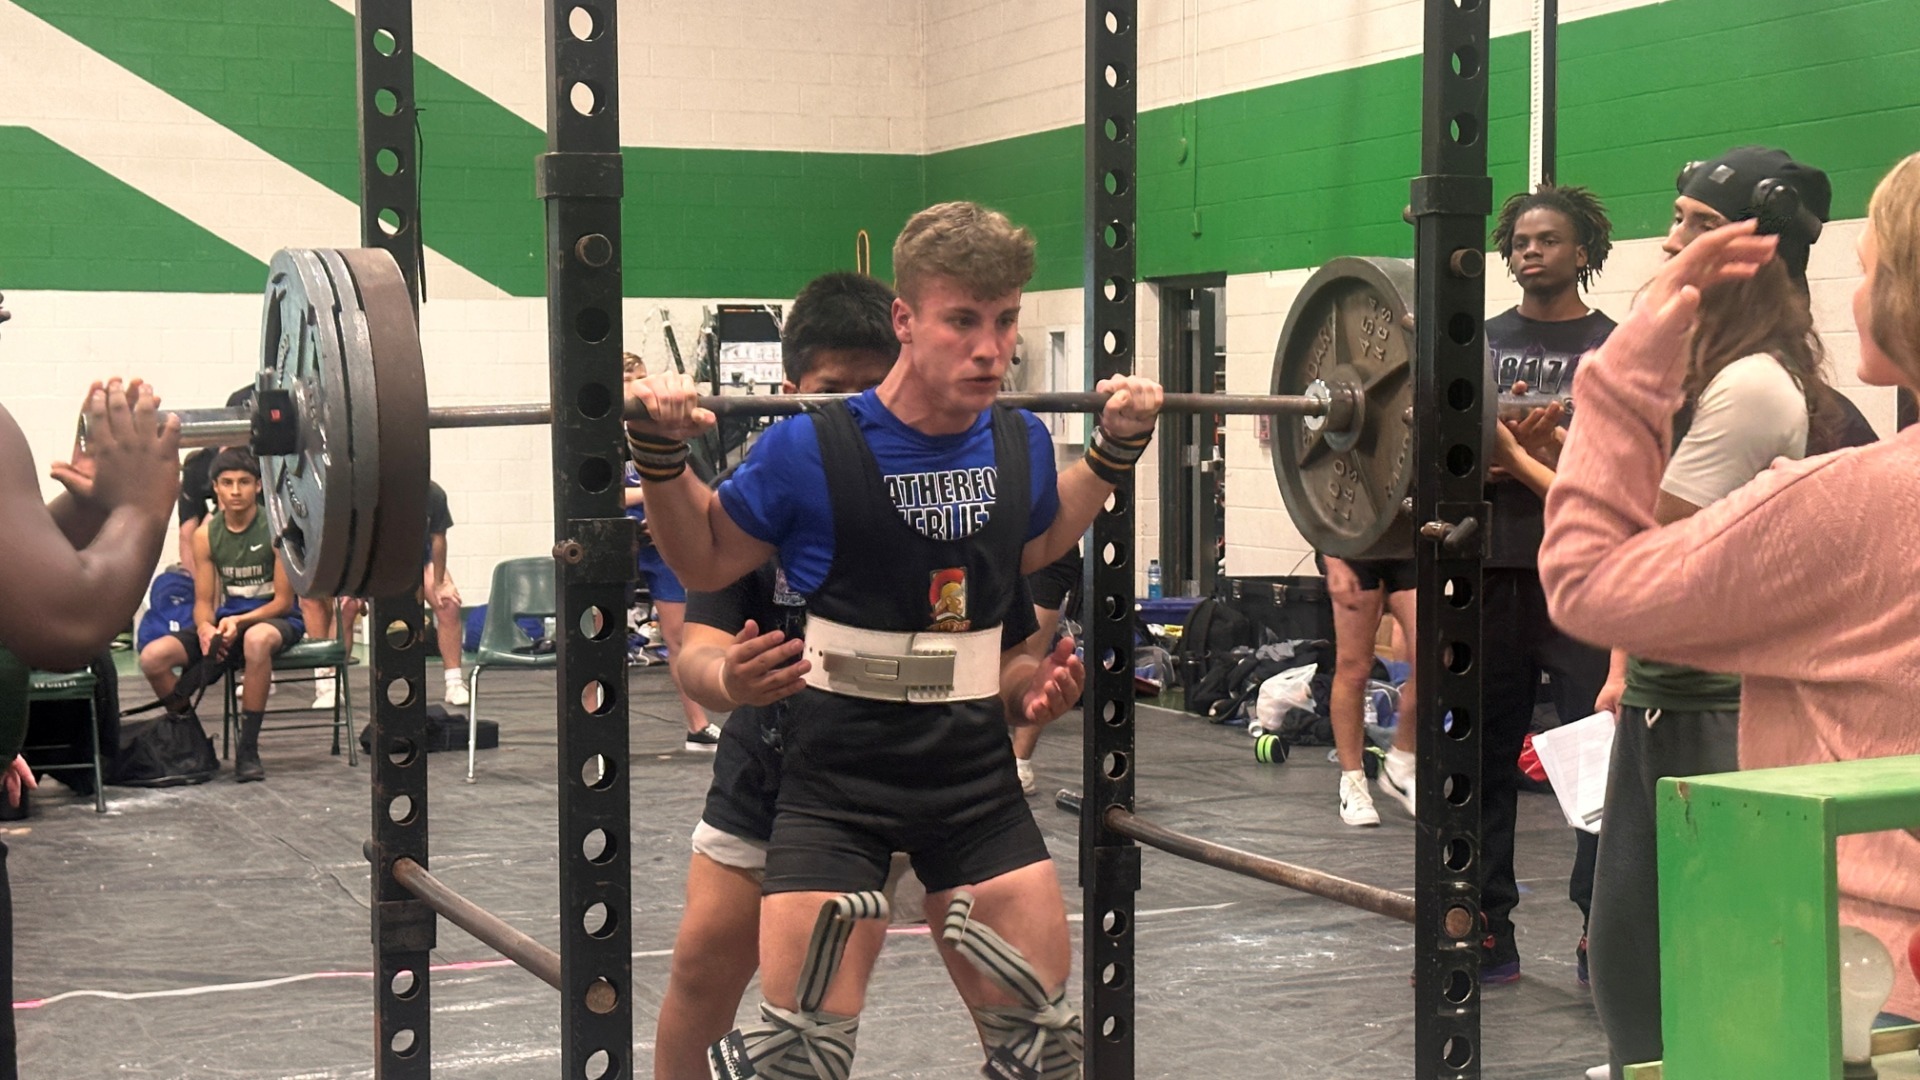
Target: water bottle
x=1153, y=580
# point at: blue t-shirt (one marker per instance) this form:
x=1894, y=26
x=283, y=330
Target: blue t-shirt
x=942, y=485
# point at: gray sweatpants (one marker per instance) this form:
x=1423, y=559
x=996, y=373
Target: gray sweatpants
x=1623, y=938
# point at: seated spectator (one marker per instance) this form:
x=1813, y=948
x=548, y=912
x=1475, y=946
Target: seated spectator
x=243, y=601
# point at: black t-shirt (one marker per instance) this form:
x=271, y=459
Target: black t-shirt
x=1543, y=355
x=196, y=487
x=439, y=518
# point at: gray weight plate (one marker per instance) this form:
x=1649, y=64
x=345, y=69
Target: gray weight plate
x=399, y=532
x=1346, y=489
x=363, y=416
x=309, y=492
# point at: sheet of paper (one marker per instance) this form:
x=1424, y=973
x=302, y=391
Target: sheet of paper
x=1575, y=756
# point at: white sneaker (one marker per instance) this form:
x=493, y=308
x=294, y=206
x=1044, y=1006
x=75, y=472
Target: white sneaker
x=457, y=694
x=1356, y=806
x=1025, y=769
x=1599, y=1072
x=704, y=741
x=323, y=694
x=1396, y=778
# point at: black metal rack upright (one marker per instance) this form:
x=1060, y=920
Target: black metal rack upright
x=1451, y=200
x=1109, y=862
x=579, y=178
x=403, y=926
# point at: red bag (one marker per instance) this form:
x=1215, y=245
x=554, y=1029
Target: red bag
x=1530, y=761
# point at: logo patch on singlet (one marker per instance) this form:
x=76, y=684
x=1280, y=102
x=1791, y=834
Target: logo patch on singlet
x=947, y=599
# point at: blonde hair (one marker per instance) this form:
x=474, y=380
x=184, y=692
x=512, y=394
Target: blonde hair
x=977, y=248
x=632, y=366
x=1894, y=217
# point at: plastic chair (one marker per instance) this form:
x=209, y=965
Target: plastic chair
x=73, y=686
x=309, y=656
x=520, y=587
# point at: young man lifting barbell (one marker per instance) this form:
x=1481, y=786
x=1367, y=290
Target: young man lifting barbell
x=935, y=504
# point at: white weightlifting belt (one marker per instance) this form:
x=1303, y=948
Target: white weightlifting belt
x=922, y=668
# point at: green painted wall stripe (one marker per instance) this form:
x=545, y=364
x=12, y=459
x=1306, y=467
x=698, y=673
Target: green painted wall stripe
x=69, y=225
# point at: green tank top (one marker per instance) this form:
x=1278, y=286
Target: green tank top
x=245, y=562
x=1654, y=685
x=14, y=680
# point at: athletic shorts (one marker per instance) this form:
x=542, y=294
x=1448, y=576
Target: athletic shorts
x=291, y=632
x=863, y=779
x=746, y=784
x=662, y=585
x=1054, y=582
x=1397, y=575
x=738, y=820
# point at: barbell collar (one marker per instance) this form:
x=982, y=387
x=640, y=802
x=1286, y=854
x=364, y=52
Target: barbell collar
x=232, y=426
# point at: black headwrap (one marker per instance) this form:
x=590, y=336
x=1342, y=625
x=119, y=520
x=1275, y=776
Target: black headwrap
x=1790, y=198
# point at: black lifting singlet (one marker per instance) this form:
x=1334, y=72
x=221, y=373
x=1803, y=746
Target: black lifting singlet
x=909, y=771
x=886, y=575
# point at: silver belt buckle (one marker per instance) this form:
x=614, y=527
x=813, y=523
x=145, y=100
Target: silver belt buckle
x=892, y=678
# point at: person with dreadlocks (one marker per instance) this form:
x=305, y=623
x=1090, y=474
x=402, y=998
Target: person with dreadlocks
x=1555, y=240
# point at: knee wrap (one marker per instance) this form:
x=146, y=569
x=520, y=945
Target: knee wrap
x=1039, y=1038
x=804, y=1043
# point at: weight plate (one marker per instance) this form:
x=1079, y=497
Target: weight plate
x=403, y=445
x=1346, y=488
x=360, y=392
x=348, y=505
x=310, y=491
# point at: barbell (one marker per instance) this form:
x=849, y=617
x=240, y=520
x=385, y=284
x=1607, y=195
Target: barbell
x=340, y=417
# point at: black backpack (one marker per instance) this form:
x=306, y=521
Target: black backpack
x=1214, y=638
x=1243, y=685
x=167, y=751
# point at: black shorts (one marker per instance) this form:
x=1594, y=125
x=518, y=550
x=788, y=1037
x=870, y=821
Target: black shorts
x=290, y=634
x=1398, y=575
x=1054, y=582
x=864, y=779
x=746, y=777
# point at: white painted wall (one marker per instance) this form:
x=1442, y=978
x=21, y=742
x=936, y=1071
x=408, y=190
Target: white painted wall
x=739, y=74
x=1000, y=68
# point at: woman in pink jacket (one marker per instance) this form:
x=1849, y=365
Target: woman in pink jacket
x=1806, y=581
